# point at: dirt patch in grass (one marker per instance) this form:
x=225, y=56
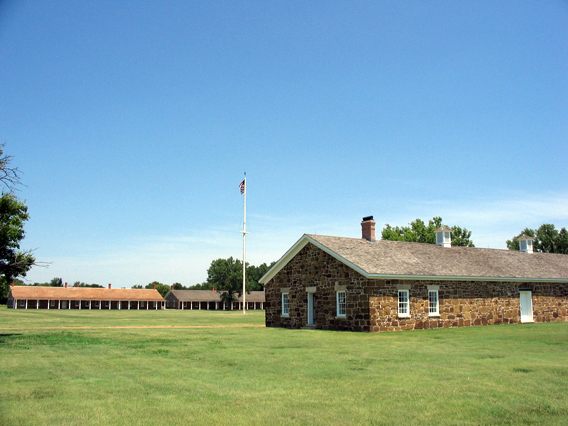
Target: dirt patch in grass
x=132, y=327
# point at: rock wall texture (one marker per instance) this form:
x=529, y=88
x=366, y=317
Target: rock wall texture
x=372, y=305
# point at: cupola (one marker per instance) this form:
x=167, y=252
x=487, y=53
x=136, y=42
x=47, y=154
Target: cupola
x=443, y=236
x=526, y=244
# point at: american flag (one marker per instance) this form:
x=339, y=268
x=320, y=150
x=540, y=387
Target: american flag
x=242, y=186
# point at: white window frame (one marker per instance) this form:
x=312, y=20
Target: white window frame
x=433, y=309
x=404, y=305
x=285, y=304
x=341, y=303
x=52, y=303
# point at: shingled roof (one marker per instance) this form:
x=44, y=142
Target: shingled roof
x=396, y=259
x=84, y=293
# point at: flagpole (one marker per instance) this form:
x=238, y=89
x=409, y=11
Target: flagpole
x=244, y=232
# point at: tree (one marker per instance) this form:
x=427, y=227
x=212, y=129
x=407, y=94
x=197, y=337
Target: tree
x=9, y=175
x=203, y=286
x=513, y=244
x=162, y=288
x=14, y=262
x=547, y=239
x=226, y=275
x=82, y=284
x=419, y=232
x=255, y=273
x=56, y=282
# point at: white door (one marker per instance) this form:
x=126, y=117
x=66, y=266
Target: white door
x=311, y=309
x=526, y=306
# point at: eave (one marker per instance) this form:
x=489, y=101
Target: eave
x=305, y=239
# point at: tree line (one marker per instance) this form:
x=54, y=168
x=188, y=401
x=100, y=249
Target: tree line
x=547, y=239
x=225, y=275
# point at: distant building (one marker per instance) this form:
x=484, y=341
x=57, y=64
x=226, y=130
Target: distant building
x=27, y=297
x=211, y=300
x=336, y=283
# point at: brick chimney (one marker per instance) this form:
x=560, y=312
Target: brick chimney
x=368, y=228
x=154, y=286
x=65, y=285
x=172, y=286
x=109, y=286
x=214, y=289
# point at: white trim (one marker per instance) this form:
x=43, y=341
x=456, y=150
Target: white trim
x=289, y=255
x=528, y=315
x=435, y=313
x=406, y=303
x=337, y=313
x=287, y=313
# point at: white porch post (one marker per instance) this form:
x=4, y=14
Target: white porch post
x=26, y=303
x=48, y=302
x=147, y=303
x=15, y=303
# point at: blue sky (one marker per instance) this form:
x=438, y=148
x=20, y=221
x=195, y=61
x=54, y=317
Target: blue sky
x=134, y=122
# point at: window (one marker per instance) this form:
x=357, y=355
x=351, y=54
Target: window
x=433, y=302
x=340, y=303
x=52, y=303
x=403, y=304
x=285, y=304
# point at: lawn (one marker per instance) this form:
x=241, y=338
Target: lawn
x=158, y=369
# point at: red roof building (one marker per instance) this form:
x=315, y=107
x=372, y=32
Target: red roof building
x=27, y=297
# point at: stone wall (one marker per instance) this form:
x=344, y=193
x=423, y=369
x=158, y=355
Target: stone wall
x=372, y=305
x=313, y=267
x=463, y=304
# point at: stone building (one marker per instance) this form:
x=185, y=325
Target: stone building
x=336, y=283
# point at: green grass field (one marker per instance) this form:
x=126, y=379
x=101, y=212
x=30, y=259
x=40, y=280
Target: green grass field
x=151, y=368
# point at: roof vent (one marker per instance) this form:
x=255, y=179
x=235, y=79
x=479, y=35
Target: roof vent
x=443, y=236
x=526, y=244
x=368, y=228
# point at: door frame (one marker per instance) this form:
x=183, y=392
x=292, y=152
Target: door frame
x=526, y=306
x=311, y=306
